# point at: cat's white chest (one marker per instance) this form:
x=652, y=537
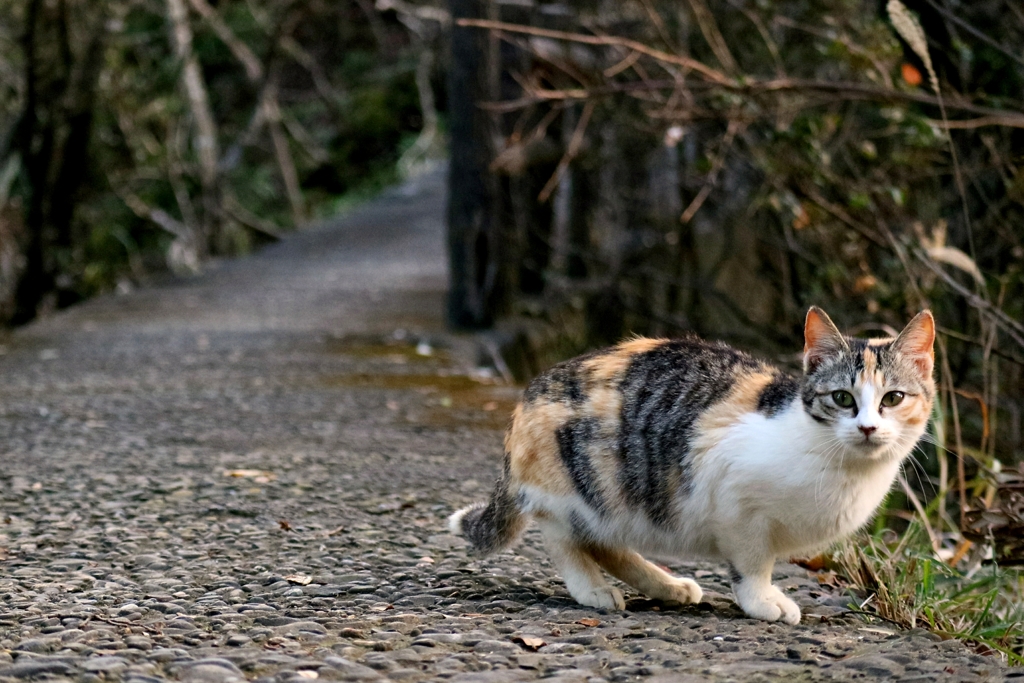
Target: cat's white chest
x=781, y=477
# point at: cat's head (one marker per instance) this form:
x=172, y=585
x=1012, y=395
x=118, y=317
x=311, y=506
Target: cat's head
x=876, y=394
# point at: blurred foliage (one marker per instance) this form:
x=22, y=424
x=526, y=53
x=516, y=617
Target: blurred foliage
x=322, y=92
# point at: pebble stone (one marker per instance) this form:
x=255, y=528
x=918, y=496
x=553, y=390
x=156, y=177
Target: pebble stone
x=245, y=475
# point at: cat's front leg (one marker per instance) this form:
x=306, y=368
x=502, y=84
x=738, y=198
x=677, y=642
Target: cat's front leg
x=752, y=583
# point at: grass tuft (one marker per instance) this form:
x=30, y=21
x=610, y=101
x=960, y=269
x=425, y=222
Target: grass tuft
x=907, y=584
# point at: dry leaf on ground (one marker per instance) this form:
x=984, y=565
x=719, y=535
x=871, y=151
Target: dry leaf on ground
x=259, y=476
x=529, y=642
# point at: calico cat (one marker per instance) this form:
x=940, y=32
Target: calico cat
x=693, y=449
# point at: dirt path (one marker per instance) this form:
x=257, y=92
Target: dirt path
x=246, y=476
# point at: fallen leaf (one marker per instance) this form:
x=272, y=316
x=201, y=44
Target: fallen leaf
x=879, y=631
x=589, y=622
x=300, y=579
x=529, y=642
x=285, y=526
x=828, y=578
x=251, y=474
x=814, y=564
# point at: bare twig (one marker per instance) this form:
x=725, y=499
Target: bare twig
x=980, y=35
x=570, y=153
x=235, y=210
x=159, y=217
x=253, y=67
x=960, y=336
x=692, y=64
x=840, y=213
x=658, y=22
x=1005, y=120
x=206, y=143
x=712, y=177
x=1013, y=328
x=847, y=90
x=709, y=29
x=272, y=116
x=420, y=149
x=880, y=68
x=328, y=91
x=922, y=514
x=773, y=49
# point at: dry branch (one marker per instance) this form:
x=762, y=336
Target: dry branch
x=574, y=148
x=712, y=177
x=253, y=67
x=199, y=103
x=660, y=55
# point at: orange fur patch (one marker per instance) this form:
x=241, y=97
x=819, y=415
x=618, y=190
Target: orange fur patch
x=610, y=367
x=533, y=448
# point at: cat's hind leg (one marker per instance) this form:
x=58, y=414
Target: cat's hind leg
x=631, y=568
x=581, y=573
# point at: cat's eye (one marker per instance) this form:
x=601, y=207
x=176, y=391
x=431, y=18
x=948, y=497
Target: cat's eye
x=843, y=399
x=893, y=398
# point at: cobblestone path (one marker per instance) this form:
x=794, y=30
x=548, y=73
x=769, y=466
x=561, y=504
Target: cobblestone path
x=246, y=475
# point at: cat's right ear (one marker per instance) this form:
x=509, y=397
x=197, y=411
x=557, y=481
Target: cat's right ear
x=821, y=339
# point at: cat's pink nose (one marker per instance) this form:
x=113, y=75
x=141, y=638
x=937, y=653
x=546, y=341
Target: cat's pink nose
x=867, y=431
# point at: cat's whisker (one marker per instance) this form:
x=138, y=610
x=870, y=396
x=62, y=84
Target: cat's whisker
x=833, y=447
x=919, y=470
x=837, y=446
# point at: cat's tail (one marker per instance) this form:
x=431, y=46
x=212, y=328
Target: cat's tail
x=493, y=525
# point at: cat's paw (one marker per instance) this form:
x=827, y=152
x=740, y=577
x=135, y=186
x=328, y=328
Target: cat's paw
x=771, y=606
x=681, y=590
x=600, y=596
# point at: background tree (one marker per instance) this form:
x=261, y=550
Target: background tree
x=139, y=135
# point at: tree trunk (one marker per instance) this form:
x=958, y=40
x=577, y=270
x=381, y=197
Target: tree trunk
x=205, y=142
x=53, y=139
x=473, y=230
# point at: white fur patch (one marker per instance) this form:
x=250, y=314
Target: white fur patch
x=455, y=520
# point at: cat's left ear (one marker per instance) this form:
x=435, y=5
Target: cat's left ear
x=917, y=342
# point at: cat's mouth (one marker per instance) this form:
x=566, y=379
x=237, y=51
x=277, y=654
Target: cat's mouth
x=868, y=445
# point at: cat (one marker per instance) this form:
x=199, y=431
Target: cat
x=693, y=449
